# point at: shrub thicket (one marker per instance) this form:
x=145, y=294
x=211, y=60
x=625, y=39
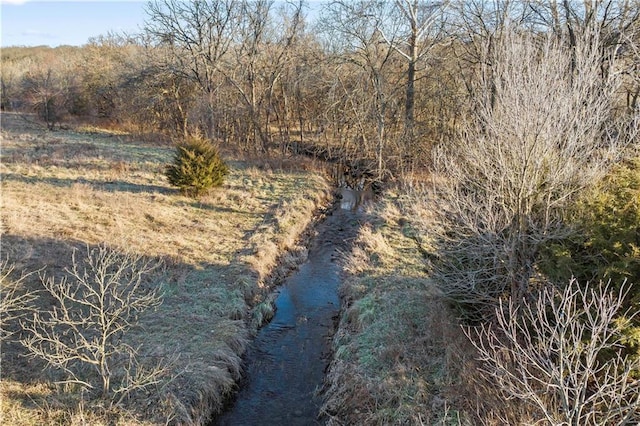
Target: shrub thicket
x=558, y=360
x=197, y=167
x=606, y=244
x=511, y=173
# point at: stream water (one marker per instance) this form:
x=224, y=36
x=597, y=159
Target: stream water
x=286, y=362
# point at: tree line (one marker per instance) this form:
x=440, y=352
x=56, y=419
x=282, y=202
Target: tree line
x=378, y=81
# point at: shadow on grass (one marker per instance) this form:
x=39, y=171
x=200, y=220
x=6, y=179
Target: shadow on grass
x=202, y=321
x=109, y=186
x=195, y=296
x=213, y=208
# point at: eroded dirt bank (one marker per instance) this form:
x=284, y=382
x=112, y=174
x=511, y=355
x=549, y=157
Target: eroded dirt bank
x=285, y=364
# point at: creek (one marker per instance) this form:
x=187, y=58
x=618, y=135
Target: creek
x=286, y=362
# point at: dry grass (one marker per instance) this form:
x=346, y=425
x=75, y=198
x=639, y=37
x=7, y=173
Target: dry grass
x=66, y=190
x=42, y=404
x=394, y=359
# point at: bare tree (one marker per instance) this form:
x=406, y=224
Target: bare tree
x=112, y=69
x=93, y=309
x=538, y=137
x=476, y=26
x=418, y=32
x=570, y=19
x=196, y=37
x=265, y=47
x=235, y=51
x=354, y=26
x=46, y=89
x=563, y=356
x=632, y=76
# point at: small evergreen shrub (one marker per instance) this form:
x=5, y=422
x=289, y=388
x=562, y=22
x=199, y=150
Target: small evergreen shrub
x=606, y=246
x=197, y=167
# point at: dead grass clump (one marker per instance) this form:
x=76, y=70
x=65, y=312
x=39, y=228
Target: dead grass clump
x=488, y=403
x=356, y=261
x=41, y=403
x=262, y=313
x=350, y=399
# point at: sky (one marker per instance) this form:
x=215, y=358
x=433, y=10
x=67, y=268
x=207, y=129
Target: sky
x=55, y=23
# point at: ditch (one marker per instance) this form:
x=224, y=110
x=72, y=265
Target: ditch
x=285, y=364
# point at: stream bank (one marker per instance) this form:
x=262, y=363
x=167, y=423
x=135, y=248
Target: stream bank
x=285, y=364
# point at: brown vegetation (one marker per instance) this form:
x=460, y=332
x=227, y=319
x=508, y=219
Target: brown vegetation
x=526, y=104
x=65, y=190
x=561, y=358
x=395, y=348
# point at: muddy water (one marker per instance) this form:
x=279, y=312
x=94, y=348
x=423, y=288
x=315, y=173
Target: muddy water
x=287, y=360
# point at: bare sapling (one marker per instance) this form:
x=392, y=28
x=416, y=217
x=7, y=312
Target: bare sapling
x=83, y=333
x=15, y=301
x=562, y=354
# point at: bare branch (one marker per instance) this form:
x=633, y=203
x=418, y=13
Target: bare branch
x=15, y=302
x=539, y=137
x=563, y=354
x=96, y=305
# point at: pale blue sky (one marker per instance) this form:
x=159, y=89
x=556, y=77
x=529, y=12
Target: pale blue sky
x=55, y=23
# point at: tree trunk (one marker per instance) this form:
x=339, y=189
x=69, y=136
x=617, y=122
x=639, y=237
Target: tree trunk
x=411, y=80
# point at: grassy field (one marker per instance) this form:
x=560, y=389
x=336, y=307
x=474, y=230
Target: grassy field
x=395, y=349
x=69, y=190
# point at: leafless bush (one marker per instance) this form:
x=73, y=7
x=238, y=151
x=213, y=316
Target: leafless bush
x=94, y=307
x=562, y=355
x=15, y=302
x=539, y=137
